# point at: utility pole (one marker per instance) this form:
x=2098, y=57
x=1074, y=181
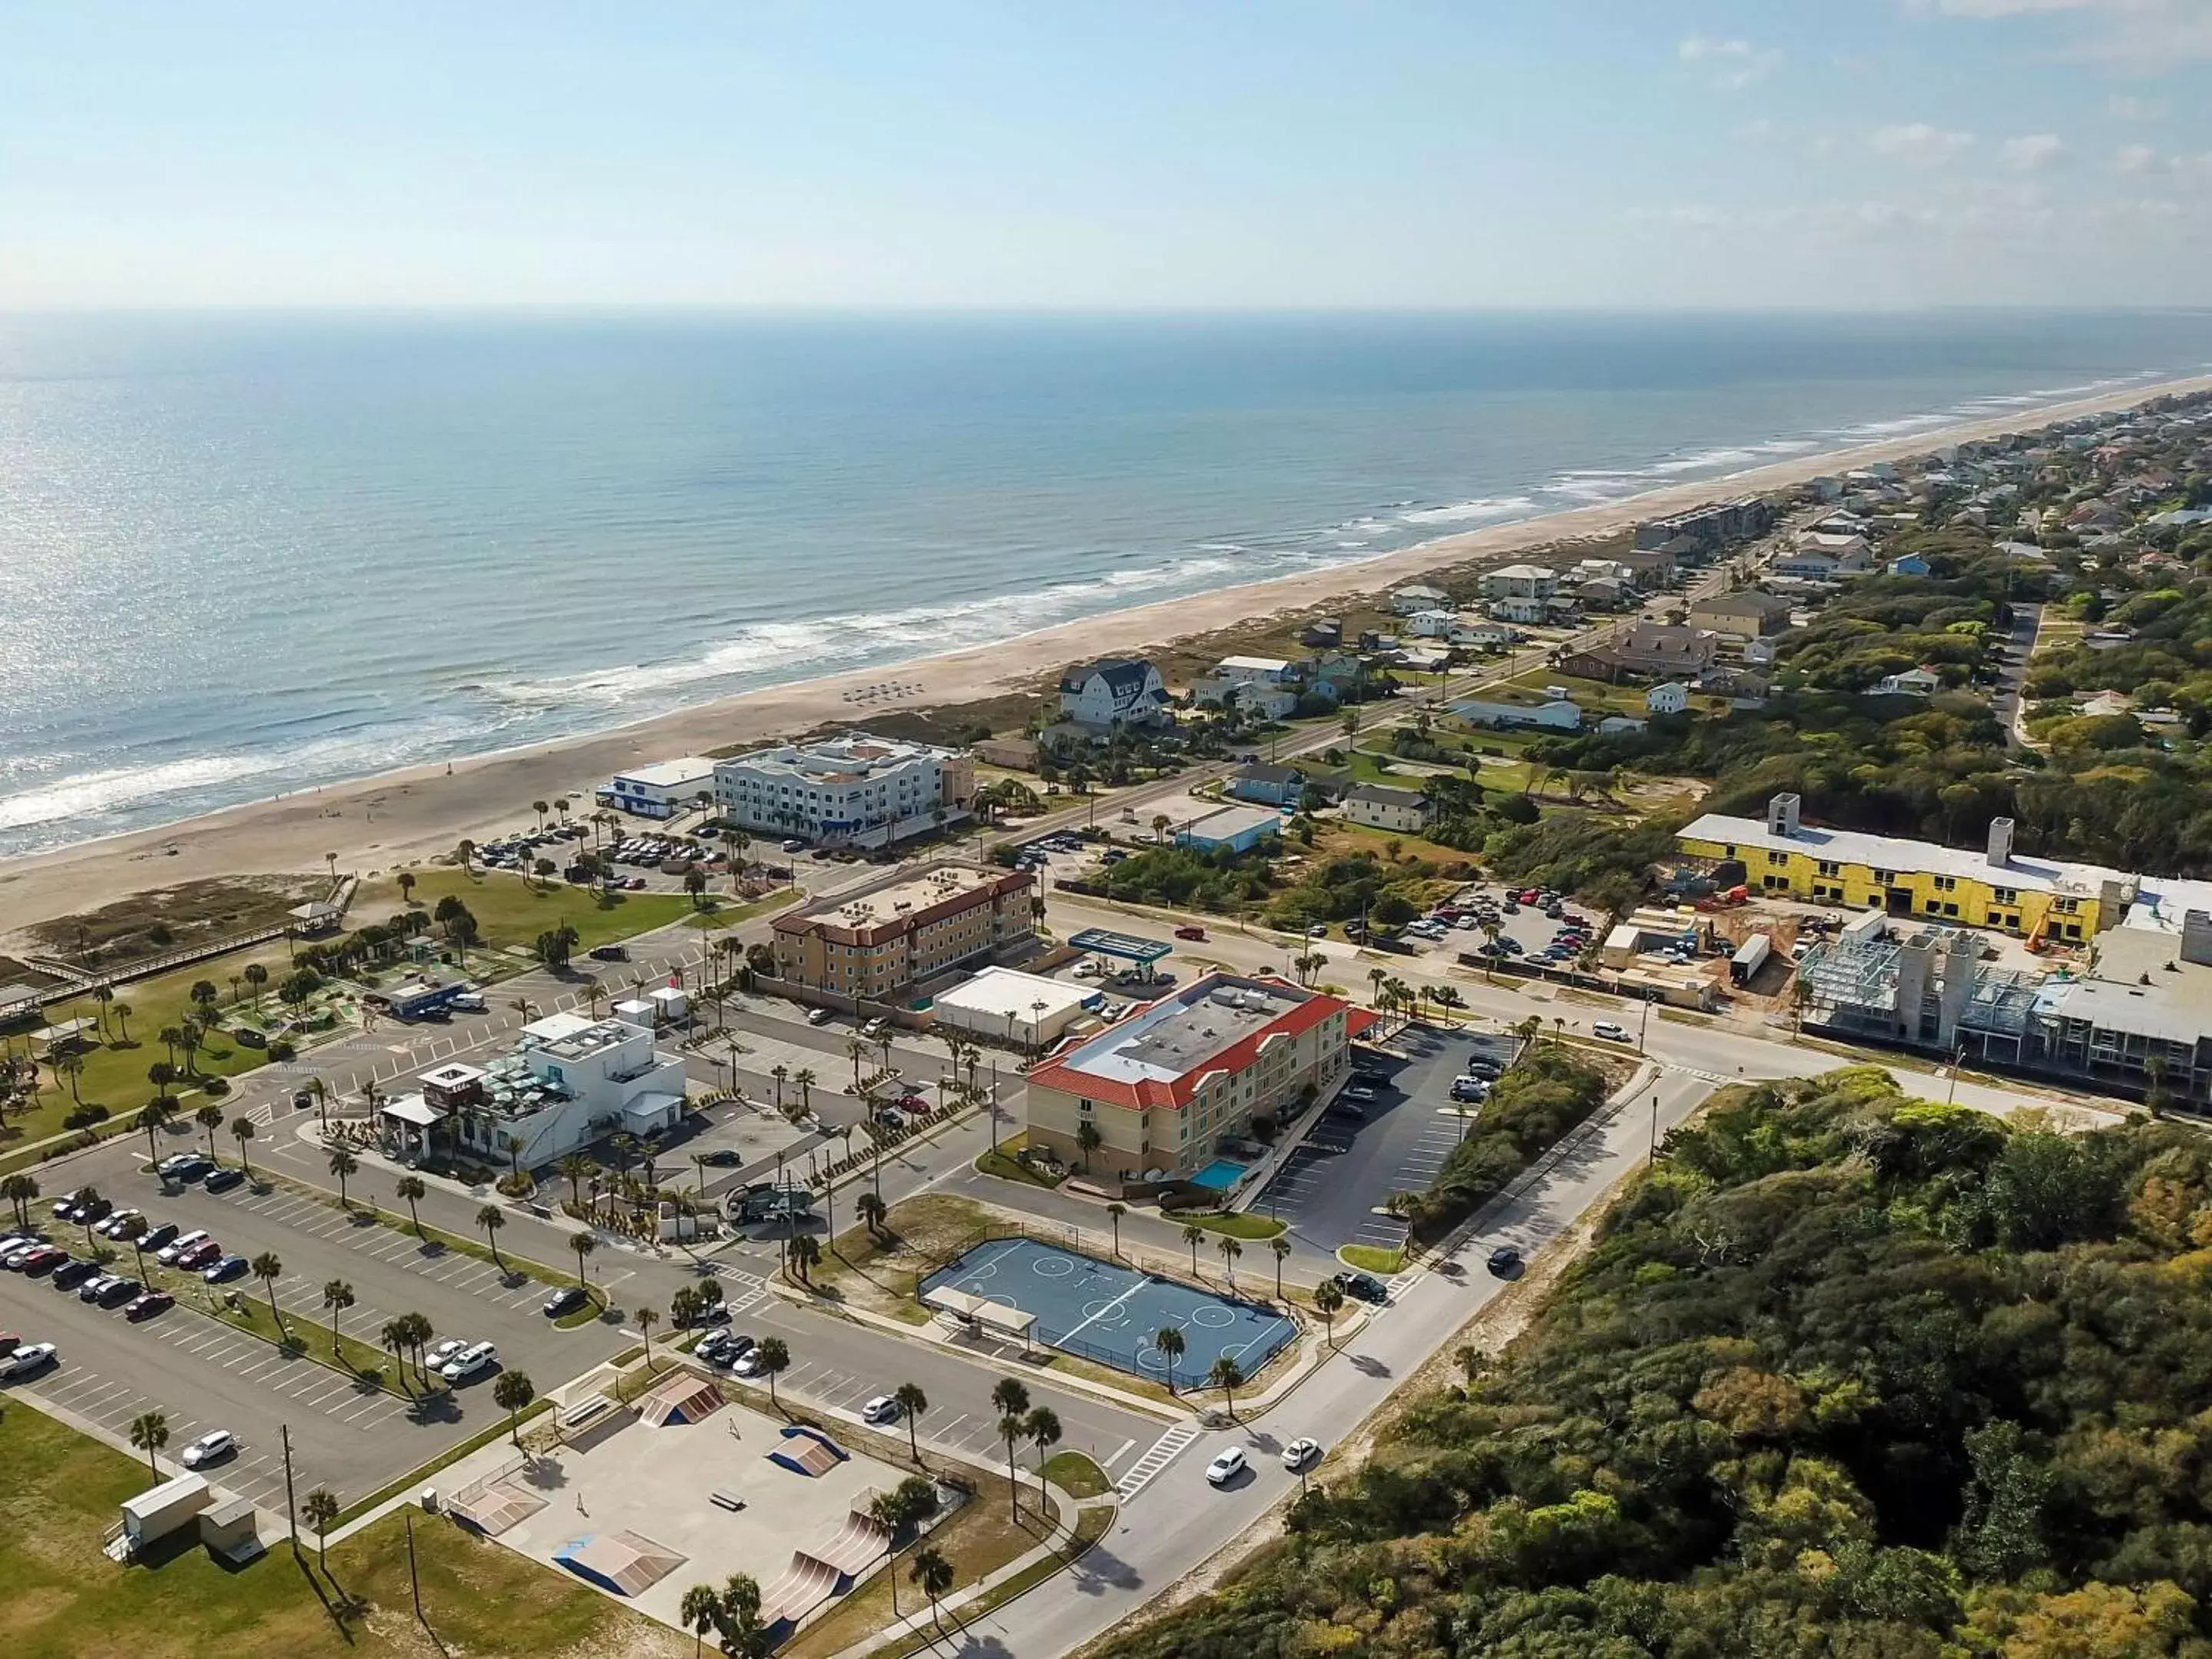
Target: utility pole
x=992, y=1107
x=1653, y=1160
x=291, y=1512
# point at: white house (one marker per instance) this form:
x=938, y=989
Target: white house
x=1255, y=697
x=1823, y=557
x=1113, y=691
x=1483, y=635
x=1431, y=624
x=661, y=790
x=1401, y=811
x=1404, y=601
x=566, y=1082
x=1912, y=683
x=1533, y=612
x=1520, y=581
x=1670, y=698
x=1255, y=671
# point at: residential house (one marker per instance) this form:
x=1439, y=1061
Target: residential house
x=1431, y=624
x=1281, y=786
x=1113, y=691
x=1912, y=683
x=1529, y=612
x=1749, y=615
x=1417, y=596
x=1378, y=806
x=1266, y=687
x=1911, y=564
x=1520, y=581
x=1825, y=558
x=1551, y=714
x=1602, y=593
x=1671, y=698
x=1659, y=649
x=1484, y=636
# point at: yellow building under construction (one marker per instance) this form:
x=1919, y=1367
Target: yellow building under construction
x=2036, y=898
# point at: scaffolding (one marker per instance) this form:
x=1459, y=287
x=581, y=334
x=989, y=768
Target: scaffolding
x=1852, y=984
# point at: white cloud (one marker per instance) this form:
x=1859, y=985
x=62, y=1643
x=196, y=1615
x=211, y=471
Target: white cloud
x=2139, y=158
x=1921, y=144
x=1755, y=132
x=2121, y=108
x=2149, y=37
x=1735, y=63
x=2032, y=152
x=1694, y=215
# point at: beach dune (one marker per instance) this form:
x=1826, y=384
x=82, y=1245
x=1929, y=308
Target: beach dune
x=381, y=822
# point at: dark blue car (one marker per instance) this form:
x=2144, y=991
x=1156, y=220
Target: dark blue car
x=229, y=1267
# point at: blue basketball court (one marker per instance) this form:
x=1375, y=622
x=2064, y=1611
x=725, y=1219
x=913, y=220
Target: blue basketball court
x=1110, y=1314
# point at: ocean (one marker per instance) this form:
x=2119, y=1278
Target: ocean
x=242, y=554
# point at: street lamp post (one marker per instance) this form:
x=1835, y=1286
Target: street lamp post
x=1653, y=1160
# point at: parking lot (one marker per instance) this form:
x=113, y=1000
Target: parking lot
x=1332, y=1188
x=1525, y=932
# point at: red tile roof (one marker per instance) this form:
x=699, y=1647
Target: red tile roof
x=1179, y=1091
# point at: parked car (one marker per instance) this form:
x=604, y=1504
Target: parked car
x=820, y=1016
x=149, y=1304
x=439, y=1352
x=210, y=1447
x=207, y=1250
x=608, y=953
x=28, y=1358
x=1192, y=931
x=469, y=1362
x=882, y=1409
x=117, y=1292
x=1225, y=1467
x=722, y=1158
x=224, y=1269
x=1360, y=1092
x=221, y=1181
x=187, y=1168
x=1362, y=1287
x=1505, y=1260
x=44, y=1260
x=1469, y=1089
x=115, y=1224
x=159, y=1233
x=566, y=1300
x=72, y=1274
x=170, y=1254
x=1301, y=1452
x=96, y=1286
x=1610, y=1030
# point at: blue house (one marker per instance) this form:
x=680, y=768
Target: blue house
x=1911, y=565
x=1269, y=785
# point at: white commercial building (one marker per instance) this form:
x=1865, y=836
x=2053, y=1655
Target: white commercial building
x=566, y=1082
x=662, y=790
x=1025, y=1009
x=857, y=791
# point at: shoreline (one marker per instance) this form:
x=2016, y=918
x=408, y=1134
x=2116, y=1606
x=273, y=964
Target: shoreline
x=381, y=821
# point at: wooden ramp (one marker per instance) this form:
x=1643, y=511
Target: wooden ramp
x=859, y=1545
x=806, y=1584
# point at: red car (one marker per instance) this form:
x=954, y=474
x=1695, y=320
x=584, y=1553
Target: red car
x=199, y=1256
x=1190, y=933
x=146, y=1306
x=46, y=1260
x=913, y=1103
x=1528, y=897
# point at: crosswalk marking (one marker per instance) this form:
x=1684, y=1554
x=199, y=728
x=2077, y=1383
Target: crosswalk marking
x=1163, y=1452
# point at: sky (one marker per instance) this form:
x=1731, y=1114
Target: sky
x=1375, y=154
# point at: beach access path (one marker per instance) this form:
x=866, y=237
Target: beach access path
x=381, y=822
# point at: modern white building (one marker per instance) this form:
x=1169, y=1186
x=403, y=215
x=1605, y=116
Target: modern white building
x=1417, y=596
x=1431, y=624
x=566, y=1082
x=1531, y=613
x=856, y=791
x=661, y=790
x=1025, y=1009
x=1671, y=698
x=1403, y=811
x=1113, y=691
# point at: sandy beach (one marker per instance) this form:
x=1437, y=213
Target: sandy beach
x=378, y=823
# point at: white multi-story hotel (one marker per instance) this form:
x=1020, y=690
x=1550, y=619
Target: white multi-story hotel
x=854, y=791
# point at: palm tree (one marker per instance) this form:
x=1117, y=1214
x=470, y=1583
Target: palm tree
x=394, y=1339
x=1376, y=977
x=700, y=1611
x=1041, y=1428
x=70, y=1068
x=576, y=1169
x=149, y=1432
x=856, y=1051
x=1448, y=998
x=420, y=1333
x=489, y=1220
x=210, y=1118
x=1230, y=1249
x=1281, y=1247
x=1090, y=1140
x=19, y=1190
x=871, y=1206
x=343, y=1164
x=1193, y=1235
x=1013, y=1401
x=933, y=1573
x=583, y=1244
x=737, y=1618
x=268, y=1269
x=122, y=1011
x=152, y=1117
x=1228, y=1377
x=805, y=1255
x=409, y=1190
x=337, y=1297
x=806, y=1078
x=241, y=1131
x=1115, y=1211
x=1328, y=1297
x=774, y=1360
x=646, y=1319
x=912, y=1403
x=320, y=1509
x=1169, y=1341
x=513, y=1391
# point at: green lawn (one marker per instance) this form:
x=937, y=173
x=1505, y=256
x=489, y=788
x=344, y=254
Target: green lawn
x=63, y=1601
x=1235, y=1226
x=720, y=912
x=510, y=911
x=114, y=1074
x=1077, y=1475
x=1368, y=1259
